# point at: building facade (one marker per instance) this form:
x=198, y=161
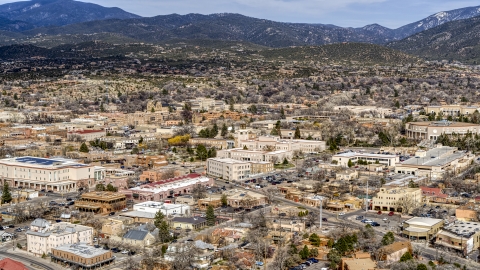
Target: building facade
x=166, y=208
x=43, y=236
x=101, y=202
x=342, y=159
x=228, y=169
x=431, y=130
x=396, y=199
x=56, y=174
x=82, y=255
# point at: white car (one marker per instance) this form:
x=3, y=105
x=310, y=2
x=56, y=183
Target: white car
x=385, y=219
x=247, y=188
x=125, y=252
x=341, y=213
x=124, y=209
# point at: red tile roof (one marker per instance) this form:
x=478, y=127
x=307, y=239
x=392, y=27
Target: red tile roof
x=433, y=192
x=9, y=264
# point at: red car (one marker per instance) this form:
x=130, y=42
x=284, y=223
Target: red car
x=379, y=212
x=391, y=214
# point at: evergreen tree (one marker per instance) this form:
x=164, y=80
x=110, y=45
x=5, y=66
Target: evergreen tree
x=110, y=187
x=210, y=216
x=350, y=163
x=407, y=256
x=6, y=195
x=224, y=130
x=202, y=153
x=315, y=239
x=157, y=220
x=214, y=131
x=304, y=253
x=422, y=266
x=274, y=132
x=164, y=232
x=297, y=133
x=84, y=148
x=224, y=200
x=285, y=161
x=388, y=238
x=282, y=113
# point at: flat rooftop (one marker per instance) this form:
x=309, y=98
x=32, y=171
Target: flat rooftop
x=103, y=195
x=436, y=157
x=461, y=228
x=443, y=124
x=356, y=154
x=82, y=250
x=159, y=205
x=42, y=162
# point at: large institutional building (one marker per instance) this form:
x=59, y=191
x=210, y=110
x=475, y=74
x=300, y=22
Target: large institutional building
x=274, y=143
x=431, y=130
x=387, y=160
x=56, y=174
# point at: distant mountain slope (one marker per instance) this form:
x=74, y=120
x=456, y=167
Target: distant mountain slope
x=457, y=40
x=359, y=52
x=14, y=26
x=219, y=26
x=60, y=12
x=436, y=20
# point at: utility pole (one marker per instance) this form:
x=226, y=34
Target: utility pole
x=366, y=201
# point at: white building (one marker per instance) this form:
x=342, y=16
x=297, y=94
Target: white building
x=343, y=158
x=245, y=139
x=435, y=162
x=254, y=155
x=228, y=169
x=165, y=208
x=43, y=236
x=57, y=174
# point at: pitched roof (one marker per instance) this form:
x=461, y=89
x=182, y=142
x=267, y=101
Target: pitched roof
x=40, y=222
x=136, y=234
x=9, y=264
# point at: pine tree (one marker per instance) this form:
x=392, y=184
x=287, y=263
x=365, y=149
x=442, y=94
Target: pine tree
x=388, y=238
x=407, y=256
x=210, y=216
x=282, y=113
x=224, y=130
x=304, y=253
x=214, y=131
x=164, y=232
x=6, y=195
x=350, y=163
x=84, y=148
x=157, y=220
x=297, y=133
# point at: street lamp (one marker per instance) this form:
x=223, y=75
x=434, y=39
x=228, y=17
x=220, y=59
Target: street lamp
x=320, y=198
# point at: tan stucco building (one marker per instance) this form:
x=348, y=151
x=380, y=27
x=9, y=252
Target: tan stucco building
x=388, y=198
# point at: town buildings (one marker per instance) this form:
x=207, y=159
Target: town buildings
x=421, y=228
x=101, y=202
x=435, y=162
x=397, y=198
x=82, y=255
x=168, y=188
x=461, y=236
x=166, y=208
x=43, y=236
x=228, y=169
x=342, y=159
x=432, y=130
x=56, y=174
x=246, y=140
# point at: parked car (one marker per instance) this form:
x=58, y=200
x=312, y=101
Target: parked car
x=385, y=219
x=313, y=260
x=391, y=213
x=341, y=214
x=111, y=214
x=375, y=224
x=359, y=218
x=379, y=212
x=125, y=252
x=324, y=219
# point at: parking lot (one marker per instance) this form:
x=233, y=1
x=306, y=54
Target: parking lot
x=384, y=221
